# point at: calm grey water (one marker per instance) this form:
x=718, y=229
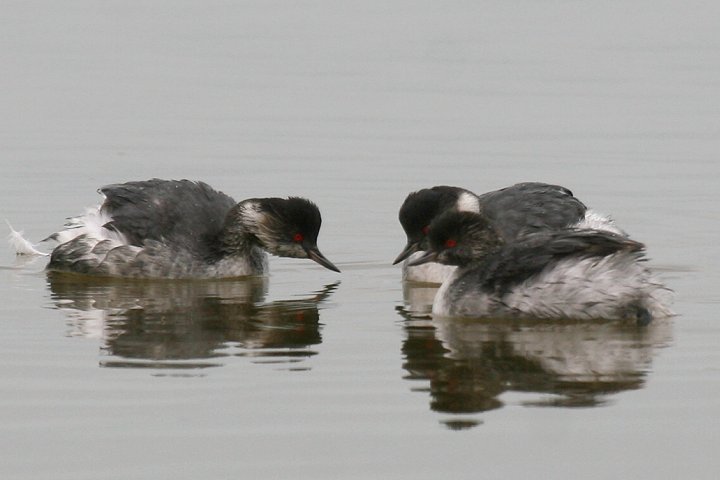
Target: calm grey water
x=312, y=374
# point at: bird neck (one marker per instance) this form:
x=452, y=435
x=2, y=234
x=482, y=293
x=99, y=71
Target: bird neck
x=481, y=250
x=242, y=226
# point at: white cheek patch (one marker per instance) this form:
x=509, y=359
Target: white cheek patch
x=467, y=202
x=252, y=214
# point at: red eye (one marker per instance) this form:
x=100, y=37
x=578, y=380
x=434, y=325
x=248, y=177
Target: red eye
x=426, y=229
x=450, y=243
x=298, y=237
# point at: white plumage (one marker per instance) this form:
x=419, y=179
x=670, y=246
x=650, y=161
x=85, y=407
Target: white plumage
x=20, y=244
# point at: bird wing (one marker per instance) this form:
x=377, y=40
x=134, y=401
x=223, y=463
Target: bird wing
x=180, y=213
x=533, y=252
x=528, y=207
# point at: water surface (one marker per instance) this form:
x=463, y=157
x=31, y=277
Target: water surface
x=311, y=374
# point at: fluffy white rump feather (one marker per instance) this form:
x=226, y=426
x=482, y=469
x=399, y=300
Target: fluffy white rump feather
x=21, y=245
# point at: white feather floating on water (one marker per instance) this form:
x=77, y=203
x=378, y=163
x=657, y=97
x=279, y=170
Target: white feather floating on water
x=20, y=244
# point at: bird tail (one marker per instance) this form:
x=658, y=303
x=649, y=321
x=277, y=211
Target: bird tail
x=20, y=244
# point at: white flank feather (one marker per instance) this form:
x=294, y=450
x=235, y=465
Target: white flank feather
x=20, y=244
x=595, y=221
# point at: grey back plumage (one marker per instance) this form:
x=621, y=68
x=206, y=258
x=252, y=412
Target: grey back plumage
x=182, y=213
x=531, y=206
x=517, y=262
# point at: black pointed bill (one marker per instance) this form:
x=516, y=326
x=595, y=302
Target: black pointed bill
x=409, y=249
x=314, y=254
x=424, y=258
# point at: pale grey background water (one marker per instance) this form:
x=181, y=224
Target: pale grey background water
x=354, y=104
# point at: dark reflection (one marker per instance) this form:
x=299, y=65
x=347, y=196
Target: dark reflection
x=188, y=324
x=471, y=363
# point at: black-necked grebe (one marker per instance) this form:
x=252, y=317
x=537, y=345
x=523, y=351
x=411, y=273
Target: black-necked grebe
x=513, y=211
x=184, y=229
x=549, y=273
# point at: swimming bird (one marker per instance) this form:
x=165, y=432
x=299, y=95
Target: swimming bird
x=513, y=211
x=185, y=229
x=548, y=273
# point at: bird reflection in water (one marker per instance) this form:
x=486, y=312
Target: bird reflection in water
x=471, y=364
x=188, y=324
